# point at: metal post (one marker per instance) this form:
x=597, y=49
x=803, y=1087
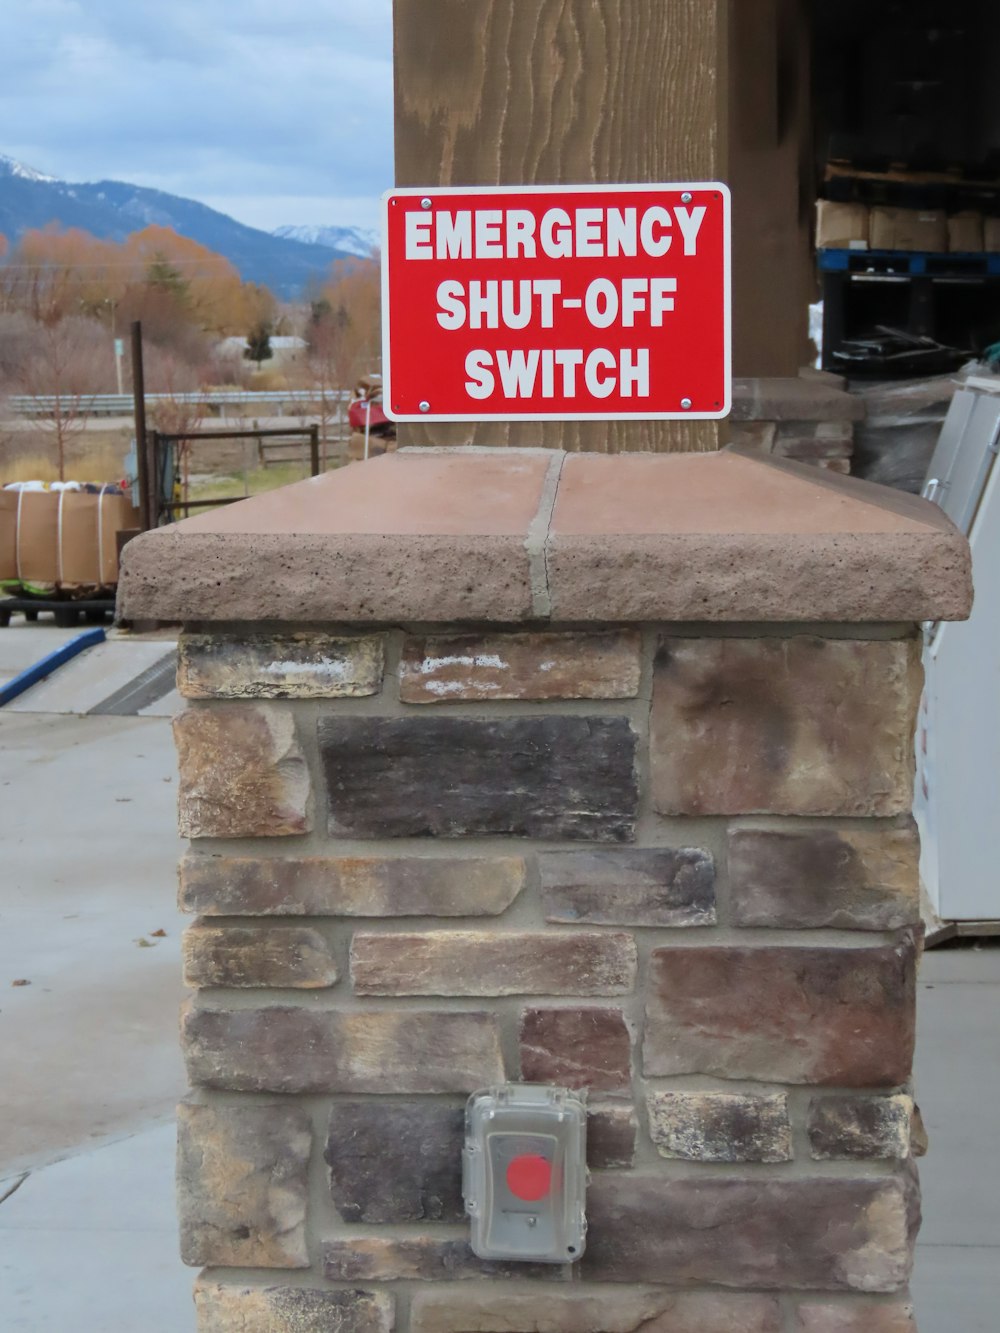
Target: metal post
x=368, y=422
x=154, y=466
x=314, y=450
x=147, y=518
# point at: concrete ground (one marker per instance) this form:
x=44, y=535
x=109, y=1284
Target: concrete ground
x=956, y=1283
x=92, y=1072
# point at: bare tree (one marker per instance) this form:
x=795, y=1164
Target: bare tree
x=68, y=364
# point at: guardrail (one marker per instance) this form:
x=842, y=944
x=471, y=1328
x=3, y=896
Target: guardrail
x=120, y=404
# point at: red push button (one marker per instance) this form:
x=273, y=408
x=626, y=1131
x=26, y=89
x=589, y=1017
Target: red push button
x=529, y=1177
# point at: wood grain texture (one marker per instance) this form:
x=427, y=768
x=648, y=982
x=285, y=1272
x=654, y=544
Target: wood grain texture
x=769, y=174
x=508, y=92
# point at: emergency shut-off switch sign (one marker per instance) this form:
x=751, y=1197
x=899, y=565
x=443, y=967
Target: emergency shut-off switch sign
x=524, y=1173
x=566, y=303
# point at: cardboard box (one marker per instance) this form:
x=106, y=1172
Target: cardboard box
x=966, y=233
x=64, y=539
x=923, y=230
x=991, y=236
x=841, y=226
x=88, y=548
x=8, y=536
x=37, y=538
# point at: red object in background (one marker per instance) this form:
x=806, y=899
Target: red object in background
x=529, y=1177
x=357, y=413
x=447, y=254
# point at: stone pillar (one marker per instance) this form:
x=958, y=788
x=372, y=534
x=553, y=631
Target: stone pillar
x=525, y=765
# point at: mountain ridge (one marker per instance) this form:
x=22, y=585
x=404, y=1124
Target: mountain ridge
x=113, y=209
x=359, y=241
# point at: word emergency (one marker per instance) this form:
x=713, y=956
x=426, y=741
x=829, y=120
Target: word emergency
x=586, y=233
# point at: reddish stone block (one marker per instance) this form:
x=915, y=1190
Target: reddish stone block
x=831, y=1234
x=783, y=1014
x=520, y=666
x=577, y=1048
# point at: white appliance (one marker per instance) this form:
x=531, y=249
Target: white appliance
x=957, y=799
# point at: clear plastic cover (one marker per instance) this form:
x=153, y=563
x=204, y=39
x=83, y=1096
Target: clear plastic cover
x=524, y=1173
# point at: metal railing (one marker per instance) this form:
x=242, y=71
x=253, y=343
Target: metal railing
x=121, y=404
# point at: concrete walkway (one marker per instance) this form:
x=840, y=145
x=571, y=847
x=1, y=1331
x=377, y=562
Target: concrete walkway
x=957, y=1279
x=92, y=1072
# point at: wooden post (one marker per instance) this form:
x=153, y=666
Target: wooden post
x=511, y=92
x=770, y=172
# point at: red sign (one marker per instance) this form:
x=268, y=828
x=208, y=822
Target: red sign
x=559, y=302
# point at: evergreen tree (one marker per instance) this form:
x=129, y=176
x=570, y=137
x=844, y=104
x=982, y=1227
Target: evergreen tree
x=258, y=346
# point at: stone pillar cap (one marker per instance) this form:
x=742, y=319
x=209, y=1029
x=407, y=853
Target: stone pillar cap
x=516, y=535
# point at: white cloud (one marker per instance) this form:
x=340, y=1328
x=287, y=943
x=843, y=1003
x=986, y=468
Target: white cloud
x=263, y=102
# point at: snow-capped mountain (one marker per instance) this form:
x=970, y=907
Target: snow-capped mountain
x=12, y=168
x=355, y=240
x=113, y=209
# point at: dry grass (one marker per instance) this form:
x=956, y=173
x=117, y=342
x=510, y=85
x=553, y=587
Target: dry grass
x=104, y=463
x=257, y=481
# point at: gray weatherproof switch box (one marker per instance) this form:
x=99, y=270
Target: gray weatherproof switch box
x=524, y=1173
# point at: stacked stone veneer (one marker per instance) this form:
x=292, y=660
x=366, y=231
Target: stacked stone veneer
x=670, y=865
x=811, y=419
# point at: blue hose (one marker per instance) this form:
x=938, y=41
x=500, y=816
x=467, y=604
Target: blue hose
x=49, y=663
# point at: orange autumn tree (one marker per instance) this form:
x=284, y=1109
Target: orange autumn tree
x=52, y=273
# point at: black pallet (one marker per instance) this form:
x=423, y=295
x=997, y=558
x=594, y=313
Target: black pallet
x=94, y=611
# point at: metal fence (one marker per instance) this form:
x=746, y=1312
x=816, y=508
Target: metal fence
x=310, y=402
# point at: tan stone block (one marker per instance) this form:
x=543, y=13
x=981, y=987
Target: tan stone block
x=278, y=666
x=350, y=885
x=295, y=956
x=242, y=1185
x=290, y=1049
x=857, y=1317
x=224, y=1307
x=520, y=666
x=471, y=962
x=856, y=1128
x=592, y=1310
x=242, y=773
x=848, y=879
x=839, y=465
x=721, y=1126
x=796, y=1014
x=383, y=1257
x=795, y=726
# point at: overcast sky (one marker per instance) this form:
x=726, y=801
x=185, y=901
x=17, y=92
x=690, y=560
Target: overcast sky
x=275, y=111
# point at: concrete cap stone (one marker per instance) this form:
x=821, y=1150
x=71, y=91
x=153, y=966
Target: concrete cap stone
x=513, y=535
